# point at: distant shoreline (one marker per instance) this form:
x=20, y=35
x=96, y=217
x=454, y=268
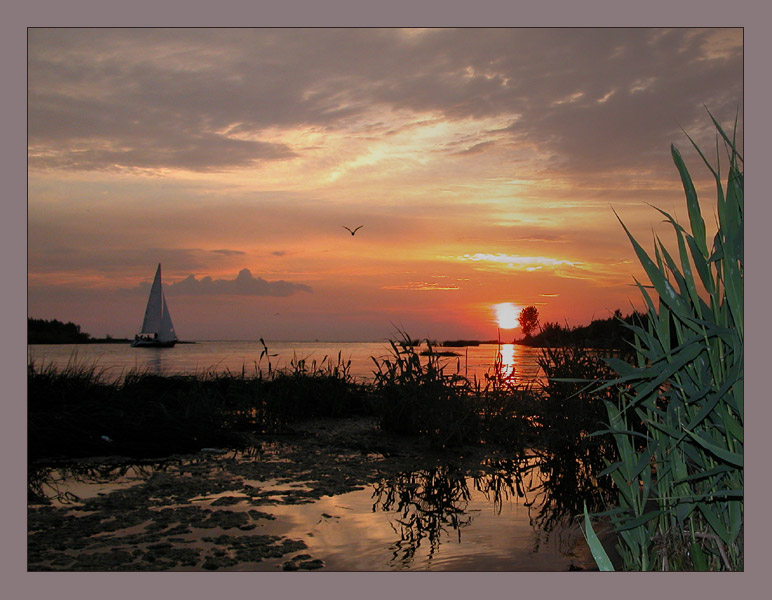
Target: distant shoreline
x=93, y=341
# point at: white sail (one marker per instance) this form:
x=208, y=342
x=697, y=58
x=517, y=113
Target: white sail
x=152, y=322
x=166, y=330
x=157, y=328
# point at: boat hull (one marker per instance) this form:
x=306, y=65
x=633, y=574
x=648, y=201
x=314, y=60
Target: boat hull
x=152, y=344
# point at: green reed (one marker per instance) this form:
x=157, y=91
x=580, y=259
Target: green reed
x=680, y=480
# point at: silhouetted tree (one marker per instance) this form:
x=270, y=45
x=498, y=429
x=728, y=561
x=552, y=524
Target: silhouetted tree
x=529, y=320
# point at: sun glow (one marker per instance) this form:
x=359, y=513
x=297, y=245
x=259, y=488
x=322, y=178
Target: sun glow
x=506, y=315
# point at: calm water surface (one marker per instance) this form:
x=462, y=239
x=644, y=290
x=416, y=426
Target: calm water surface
x=221, y=356
x=361, y=531
x=440, y=520
x=428, y=520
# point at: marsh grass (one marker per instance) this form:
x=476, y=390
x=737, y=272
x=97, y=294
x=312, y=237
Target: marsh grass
x=315, y=389
x=415, y=396
x=507, y=408
x=571, y=406
x=81, y=410
x=424, y=393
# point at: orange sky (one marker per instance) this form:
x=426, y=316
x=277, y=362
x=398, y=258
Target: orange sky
x=483, y=164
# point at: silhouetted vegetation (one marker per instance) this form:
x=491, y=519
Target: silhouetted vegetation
x=78, y=411
x=412, y=396
x=570, y=404
x=42, y=331
x=614, y=333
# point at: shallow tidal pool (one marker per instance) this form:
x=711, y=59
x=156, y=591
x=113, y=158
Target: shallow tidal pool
x=305, y=507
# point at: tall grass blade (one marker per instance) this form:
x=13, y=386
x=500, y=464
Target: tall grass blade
x=598, y=552
x=678, y=420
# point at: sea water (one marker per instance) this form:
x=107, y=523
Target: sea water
x=251, y=357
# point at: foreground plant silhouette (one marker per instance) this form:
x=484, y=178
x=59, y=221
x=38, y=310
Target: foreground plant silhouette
x=679, y=477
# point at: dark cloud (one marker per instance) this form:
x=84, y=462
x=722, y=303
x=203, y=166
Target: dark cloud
x=197, y=153
x=245, y=284
x=107, y=261
x=106, y=134
x=229, y=252
x=202, y=99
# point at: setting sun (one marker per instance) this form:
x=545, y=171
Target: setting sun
x=506, y=315
x=471, y=190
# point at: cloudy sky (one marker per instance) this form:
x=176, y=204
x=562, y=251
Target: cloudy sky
x=485, y=166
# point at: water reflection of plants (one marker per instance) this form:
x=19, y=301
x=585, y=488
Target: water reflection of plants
x=432, y=505
x=429, y=504
x=51, y=484
x=566, y=480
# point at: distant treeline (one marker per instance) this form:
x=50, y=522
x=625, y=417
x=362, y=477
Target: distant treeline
x=462, y=343
x=42, y=331
x=611, y=333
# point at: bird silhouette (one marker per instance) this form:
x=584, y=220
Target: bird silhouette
x=352, y=232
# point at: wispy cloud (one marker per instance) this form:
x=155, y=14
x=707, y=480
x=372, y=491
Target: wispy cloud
x=515, y=262
x=422, y=286
x=477, y=148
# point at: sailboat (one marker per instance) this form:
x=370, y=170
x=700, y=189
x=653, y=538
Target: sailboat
x=157, y=329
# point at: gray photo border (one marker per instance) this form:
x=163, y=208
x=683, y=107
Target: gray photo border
x=752, y=16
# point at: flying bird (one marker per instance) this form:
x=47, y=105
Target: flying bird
x=350, y=231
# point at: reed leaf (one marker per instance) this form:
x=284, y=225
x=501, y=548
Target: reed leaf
x=734, y=458
x=598, y=552
x=686, y=391
x=695, y=216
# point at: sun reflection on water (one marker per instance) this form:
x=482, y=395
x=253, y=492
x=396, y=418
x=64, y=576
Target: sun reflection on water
x=513, y=364
x=508, y=360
